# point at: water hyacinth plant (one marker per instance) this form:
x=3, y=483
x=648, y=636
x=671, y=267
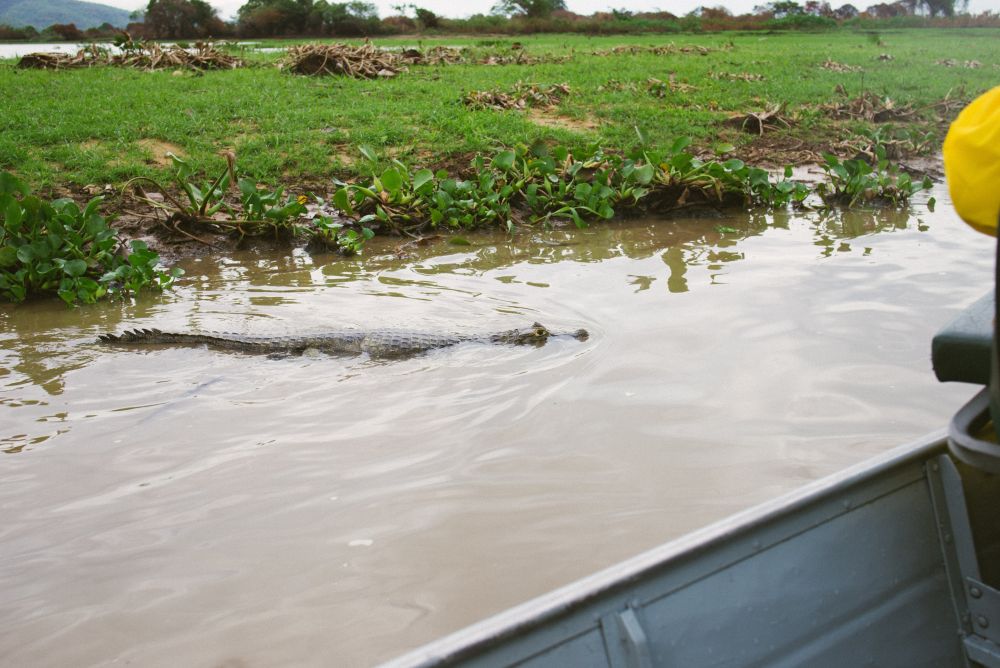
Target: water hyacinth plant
x=856, y=180
x=57, y=247
x=529, y=185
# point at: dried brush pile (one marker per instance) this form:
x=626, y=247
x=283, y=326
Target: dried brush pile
x=756, y=122
x=152, y=56
x=521, y=96
x=361, y=62
x=439, y=55
x=834, y=66
x=870, y=107
x=662, y=50
x=144, y=56
x=736, y=76
x=653, y=86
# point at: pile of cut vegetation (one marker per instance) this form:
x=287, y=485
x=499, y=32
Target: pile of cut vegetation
x=756, y=122
x=152, y=56
x=660, y=50
x=63, y=61
x=145, y=56
x=869, y=107
x=439, y=55
x=521, y=96
x=366, y=61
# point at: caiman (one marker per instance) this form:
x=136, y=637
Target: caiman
x=379, y=343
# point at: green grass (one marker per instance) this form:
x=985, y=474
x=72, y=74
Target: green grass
x=106, y=125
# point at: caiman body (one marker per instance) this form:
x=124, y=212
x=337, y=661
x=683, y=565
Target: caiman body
x=379, y=343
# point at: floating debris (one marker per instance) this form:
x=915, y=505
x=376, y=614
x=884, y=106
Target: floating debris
x=834, y=66
x=521, y=96
x=366, y=61
x=756, y=122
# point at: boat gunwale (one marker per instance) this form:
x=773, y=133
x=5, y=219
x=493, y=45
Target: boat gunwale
x=489, y=633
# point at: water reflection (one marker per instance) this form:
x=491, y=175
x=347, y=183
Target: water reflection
x=35, y=346
x=834, y=228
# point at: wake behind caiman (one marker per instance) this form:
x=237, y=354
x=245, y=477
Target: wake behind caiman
x=378, y=343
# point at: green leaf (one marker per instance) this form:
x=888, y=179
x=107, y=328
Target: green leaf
x=25, y=254
x=13, y=214
x=422, y=178
x=504, y=160
x=8, y=256
x=392, y=180
x=680, y=144
x=367, y=153
x=68, y=296
x=342, y=201
x=644, y=174
x=459, y=241
x=75, y=268
x=10, y=184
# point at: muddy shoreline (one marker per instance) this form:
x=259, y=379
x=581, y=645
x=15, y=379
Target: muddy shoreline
x=133, y=218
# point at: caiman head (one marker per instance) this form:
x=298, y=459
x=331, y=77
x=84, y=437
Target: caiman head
x=536, y=335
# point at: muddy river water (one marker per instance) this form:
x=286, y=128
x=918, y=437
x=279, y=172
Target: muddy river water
x=181, y=506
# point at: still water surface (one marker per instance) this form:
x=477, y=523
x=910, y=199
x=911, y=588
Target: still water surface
x=168, y=507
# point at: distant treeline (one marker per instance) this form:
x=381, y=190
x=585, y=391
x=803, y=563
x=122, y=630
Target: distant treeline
x=196, y=19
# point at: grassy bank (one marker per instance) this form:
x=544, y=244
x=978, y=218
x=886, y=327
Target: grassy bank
x=106, y=125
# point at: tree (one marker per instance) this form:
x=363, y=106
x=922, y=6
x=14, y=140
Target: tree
x=65, y=31
x=274, y=17
x=532, y=9
x=818, y=8
x=783, y=8
x=173, y=19
x=845, y=12
x=939, y=7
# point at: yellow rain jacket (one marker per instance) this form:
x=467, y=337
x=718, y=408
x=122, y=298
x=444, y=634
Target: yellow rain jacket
x=972, y=162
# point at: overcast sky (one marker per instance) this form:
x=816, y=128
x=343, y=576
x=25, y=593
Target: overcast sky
x=227, y=8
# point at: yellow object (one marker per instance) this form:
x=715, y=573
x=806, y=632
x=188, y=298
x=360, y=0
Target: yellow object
x=972, y=162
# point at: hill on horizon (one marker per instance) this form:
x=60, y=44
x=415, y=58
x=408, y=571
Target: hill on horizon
x=43, y=13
